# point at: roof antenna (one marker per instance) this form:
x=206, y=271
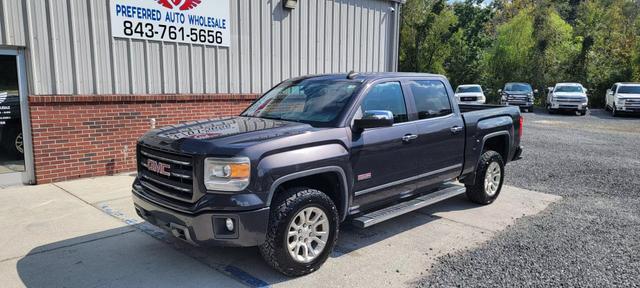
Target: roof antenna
x=352, y=74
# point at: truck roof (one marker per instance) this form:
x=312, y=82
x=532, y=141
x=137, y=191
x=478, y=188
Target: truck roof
x=371, y=75
x=628, y=83
x=469, y=85
x=568, y=84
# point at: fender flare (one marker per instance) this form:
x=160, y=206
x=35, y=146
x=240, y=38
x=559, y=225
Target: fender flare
x=344, y=191
x=470, y=179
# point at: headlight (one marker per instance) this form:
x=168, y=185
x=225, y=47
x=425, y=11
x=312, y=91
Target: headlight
x=227, y=174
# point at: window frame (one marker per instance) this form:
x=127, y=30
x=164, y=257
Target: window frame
x=413, y=99
x=368, y=88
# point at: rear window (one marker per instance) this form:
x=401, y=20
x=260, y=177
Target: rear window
x=629, y=89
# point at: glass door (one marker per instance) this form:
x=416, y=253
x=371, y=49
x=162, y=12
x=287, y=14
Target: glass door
x=11, y=137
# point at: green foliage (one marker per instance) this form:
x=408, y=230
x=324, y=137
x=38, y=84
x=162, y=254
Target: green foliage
x=595, y=42
x=510, y=58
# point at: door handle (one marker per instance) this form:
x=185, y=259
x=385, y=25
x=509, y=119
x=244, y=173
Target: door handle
x=456, y=129
x=409, y=137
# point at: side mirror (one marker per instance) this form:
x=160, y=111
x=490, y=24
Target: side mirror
x=374, y=119
x=550, y=89
x=609, y=92
x=499, y=91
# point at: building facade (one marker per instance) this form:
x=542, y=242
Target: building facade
x=89, y=82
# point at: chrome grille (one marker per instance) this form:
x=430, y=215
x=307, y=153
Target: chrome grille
x=177, y=184
x=632, y=103
x=570, y=99
x=517, y=98
x=468, y=98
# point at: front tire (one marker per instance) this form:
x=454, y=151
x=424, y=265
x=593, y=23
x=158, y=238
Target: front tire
x=489, y=179
x=303, y=229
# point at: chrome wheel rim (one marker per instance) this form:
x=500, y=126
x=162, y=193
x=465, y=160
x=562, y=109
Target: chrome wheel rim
x=492, y=179
x=19, y=143
x=307, y=234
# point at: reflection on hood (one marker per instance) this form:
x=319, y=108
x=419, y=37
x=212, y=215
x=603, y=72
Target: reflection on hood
x=212, y=128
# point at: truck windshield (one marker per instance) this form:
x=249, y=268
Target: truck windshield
x=629, y=89
x=468, y=89
x=569, y=89
x=313, y=101
x=520, y=87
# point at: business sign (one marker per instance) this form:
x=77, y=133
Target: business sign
x=187, y=21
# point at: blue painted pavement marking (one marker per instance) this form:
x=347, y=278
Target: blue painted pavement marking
x=162, y=235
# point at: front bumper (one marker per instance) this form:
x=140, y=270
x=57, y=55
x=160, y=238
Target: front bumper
x=517, y=103
x=207, y=229
x=631, y=109
x=568, y=106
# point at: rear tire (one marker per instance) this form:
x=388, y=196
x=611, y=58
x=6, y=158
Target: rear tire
x=285, y=224
x=551, y=111
x=488, y=183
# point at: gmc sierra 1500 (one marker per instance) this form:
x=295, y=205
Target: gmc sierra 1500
x=318, y=150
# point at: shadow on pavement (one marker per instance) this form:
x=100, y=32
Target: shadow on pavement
x=125, y=257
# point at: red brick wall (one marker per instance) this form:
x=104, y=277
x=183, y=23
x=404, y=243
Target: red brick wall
x=80, y=136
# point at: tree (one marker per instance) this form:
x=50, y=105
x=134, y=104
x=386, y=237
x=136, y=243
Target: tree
x=425, y=33
x=509, y=59
x=469, y=42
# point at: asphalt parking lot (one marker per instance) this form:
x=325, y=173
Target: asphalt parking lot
x=589, y=238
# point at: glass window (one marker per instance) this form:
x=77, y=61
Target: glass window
x=517, y=87
x=469, y=89
x=315, y=101
x=569, y=89
x=629, y=89
x=431, y=98
x=386, y=96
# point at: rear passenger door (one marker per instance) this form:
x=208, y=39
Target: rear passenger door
x=440, y=131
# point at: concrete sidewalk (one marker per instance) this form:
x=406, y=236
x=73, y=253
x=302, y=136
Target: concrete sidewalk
x=85, y=233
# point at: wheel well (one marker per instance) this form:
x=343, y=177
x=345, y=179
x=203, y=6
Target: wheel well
x=499, y=144
x=328, y=182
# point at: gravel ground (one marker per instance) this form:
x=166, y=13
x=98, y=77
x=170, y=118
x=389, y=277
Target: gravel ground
x=591, y=237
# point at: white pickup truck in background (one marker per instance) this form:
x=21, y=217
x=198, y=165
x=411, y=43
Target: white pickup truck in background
x=568, y=97
x=623, y=97
x=470, y=94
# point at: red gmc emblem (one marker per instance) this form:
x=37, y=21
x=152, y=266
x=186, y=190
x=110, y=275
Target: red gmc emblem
x=158, y=167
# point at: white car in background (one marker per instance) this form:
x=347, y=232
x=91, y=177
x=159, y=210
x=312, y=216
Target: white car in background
x=568, y=97
x=470, y=94
x=623, y=97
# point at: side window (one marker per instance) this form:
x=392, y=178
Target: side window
x=386, y=96
x=431, y=98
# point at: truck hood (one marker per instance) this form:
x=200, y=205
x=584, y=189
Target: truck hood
x=221, y=135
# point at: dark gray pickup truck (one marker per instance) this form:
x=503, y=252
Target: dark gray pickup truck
x=316, y=151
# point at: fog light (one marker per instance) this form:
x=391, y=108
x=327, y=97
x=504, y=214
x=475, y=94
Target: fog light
x=229, y=224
